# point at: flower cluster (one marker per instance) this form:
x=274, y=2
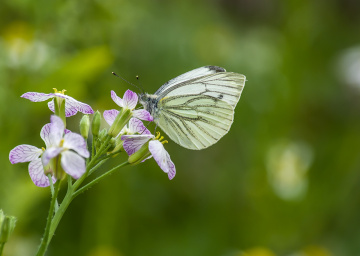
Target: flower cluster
x=62, y=146
x=65, y=151
x=136, y=139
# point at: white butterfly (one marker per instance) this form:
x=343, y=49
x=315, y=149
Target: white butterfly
x=196, y=109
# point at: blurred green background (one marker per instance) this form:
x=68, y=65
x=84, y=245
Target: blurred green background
x=284, y=181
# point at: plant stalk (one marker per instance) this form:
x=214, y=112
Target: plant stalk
x=44, y=241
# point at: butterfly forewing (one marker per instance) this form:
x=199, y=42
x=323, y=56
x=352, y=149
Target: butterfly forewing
x=225, y=86
x=203, y=71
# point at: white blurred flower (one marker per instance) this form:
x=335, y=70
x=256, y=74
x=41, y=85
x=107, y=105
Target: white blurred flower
x=26, y=54
x=287, y=165
x=349, y=67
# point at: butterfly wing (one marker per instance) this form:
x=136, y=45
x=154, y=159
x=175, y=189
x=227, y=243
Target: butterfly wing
x=196, y=113
x=203, y=71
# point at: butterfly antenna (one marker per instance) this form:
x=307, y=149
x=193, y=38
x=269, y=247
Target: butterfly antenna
x=145, y=128
x=138, y=79
x=127, y=81
x=155, y=129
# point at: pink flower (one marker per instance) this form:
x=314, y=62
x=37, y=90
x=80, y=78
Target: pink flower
x=130, y=101
x=119, y=119
x=58, y=141
x=71, y=147
x=132, y=143
x=72, y=106
x=134, y=126
x=27, y=153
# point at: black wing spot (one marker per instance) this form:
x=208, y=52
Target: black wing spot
x=216, y=69
x=220, y=96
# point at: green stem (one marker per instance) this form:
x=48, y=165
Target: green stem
x=44, y=241
x=87, y=159
x=1, y=248
x=58, y=215
x=69, y=194
x=92, y=162
x=97, y=166
x=53, y=191
x=110, y=155
x=69, y=180
x=93, y=147
x=51, y=185
x=91, y=183
x=65, y=203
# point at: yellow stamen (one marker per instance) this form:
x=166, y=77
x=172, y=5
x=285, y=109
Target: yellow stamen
x=61, y=142
x=160, y=138
x=42, y=148
x=61, y=92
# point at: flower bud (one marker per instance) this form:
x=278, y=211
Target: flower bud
x=84, y=126
x=140, y=155
x=101, y=138
x=95, y=125
x=120, y=121
x=7, y=225
x=102, y=134
x=112, y=144
x=118, y=144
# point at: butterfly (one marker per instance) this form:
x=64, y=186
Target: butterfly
x=196, y=109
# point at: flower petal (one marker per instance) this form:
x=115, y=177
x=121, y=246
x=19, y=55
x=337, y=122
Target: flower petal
x=76, y=142
x=72, y=106
x=56, y=130
x=143, y=115
x=24, y=153
x=162, y=158
x=50, y=153
x=37, y=96
x=133, y=143
x=117, y=99
x=51, y=106
x=37, y=175
x=45, y=134
x=147, y=158
x=136, y=126
x=110, y=115
x=130, y=99
x=73, y=164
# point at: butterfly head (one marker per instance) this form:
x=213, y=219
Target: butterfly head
x=149, y=102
